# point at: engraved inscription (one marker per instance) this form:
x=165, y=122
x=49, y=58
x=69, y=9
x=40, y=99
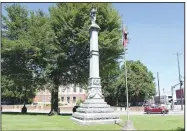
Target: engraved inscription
x=96, y=82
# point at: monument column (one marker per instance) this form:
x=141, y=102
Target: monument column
x=94, y=82
x=94, y=110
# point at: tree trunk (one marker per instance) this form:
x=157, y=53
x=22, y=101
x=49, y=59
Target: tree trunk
x=137, y=99
x=54, y=102
x=117, y=96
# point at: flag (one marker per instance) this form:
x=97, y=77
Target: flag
x=125, y=39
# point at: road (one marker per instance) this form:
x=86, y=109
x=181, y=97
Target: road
x=143, y=113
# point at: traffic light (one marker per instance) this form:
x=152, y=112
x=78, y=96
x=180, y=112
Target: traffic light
x=170, y=100
x=181, y=83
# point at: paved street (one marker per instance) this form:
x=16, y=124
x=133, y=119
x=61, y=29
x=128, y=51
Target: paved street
x=143, y=113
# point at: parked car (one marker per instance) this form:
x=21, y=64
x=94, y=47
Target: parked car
x=156, y=109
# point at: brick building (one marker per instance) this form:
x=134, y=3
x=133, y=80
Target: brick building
x=68, y=95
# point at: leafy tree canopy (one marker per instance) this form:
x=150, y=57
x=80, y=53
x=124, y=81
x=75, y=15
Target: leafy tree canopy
x=140, y=83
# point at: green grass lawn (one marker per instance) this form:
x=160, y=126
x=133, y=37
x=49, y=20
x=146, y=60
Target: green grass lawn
x=44, y=122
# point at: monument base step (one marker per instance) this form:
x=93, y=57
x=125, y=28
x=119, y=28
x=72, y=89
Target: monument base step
x=92, y=122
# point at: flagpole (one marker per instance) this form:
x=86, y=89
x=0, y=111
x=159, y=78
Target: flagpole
x=125, y=75
x=128, y=124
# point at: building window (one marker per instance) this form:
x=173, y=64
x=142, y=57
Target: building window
x=80, y=89
x=68, y=99
x=62, y=99
x=75, y=89
x=62, y=90
x=74, y=99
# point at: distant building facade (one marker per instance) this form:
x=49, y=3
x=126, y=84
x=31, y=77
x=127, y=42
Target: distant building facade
x=164, y=99
x=68, y=95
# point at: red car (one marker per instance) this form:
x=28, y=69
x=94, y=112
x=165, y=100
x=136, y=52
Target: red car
x=156, y=109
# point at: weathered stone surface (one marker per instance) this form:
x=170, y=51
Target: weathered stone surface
x=91, y=122
x=93, y=113
x=95, y=101
x=94, y=105
x=95, y=110
x=95, y=116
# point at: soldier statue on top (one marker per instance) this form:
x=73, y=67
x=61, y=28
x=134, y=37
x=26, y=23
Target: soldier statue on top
x=93, y=15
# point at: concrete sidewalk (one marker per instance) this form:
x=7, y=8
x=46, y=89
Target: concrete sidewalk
x=31, y=111
x=117, y=112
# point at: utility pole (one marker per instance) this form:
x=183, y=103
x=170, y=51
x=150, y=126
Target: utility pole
x=158, y=87
x=180, y=81
x=164, y=96
x=172, y=104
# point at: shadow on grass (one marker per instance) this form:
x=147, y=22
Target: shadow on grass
x=29, y=113
x=178, y=129
x=119, y=125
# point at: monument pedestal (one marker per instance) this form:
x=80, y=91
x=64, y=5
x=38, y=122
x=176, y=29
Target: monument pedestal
x=95, y=111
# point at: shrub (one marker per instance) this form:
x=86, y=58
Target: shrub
x=48, y=104
x=79, y=102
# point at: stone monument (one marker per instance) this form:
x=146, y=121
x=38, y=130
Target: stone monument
x=94, y=110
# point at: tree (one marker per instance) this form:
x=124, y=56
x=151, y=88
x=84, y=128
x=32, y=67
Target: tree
x=55, y=48
x=46, y=54
x=142, y=81
x=17, y=53
x=14, y=69
x=16, y=22
x=15, y=93
x=109, y=86
x=70, y=23
x=140, y=84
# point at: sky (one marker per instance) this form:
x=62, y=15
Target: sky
x=156, y=32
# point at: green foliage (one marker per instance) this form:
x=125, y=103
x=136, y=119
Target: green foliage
x=140, y=83
x=79, y=101
x=8, y=88
x=178, y=129
x=48, y=104
x=12, y=91
x=16, y=54
x=70, y=22
x=16, y=22
x=39, y=50
x=58, y=99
